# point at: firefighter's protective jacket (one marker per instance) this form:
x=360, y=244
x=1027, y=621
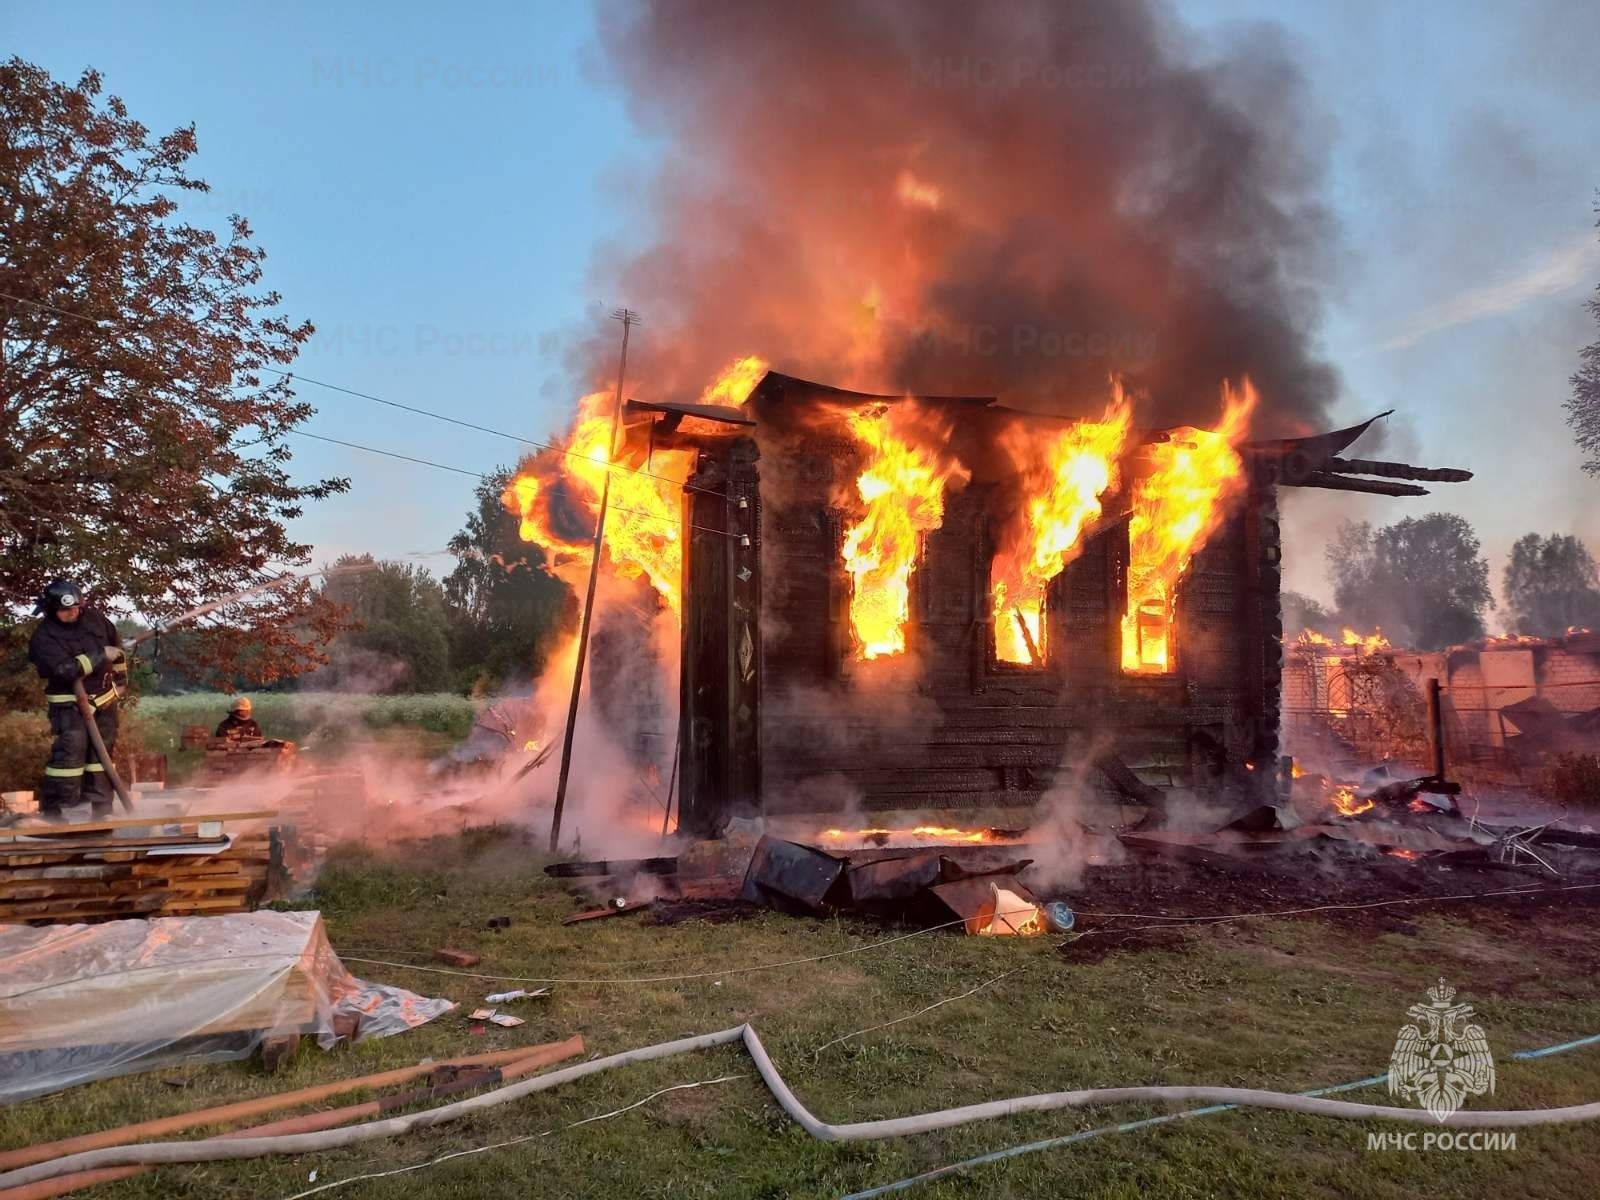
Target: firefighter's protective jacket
x=64, y=654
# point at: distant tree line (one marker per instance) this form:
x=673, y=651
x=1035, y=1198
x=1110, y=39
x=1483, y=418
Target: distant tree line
x=1424, y=581
x=491, y=620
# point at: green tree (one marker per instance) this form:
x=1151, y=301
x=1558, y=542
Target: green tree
x=506, y=608
x=142, y=425
x=1583, y=408
x=1551, y=585
x=1423, y=581
x=398, y=639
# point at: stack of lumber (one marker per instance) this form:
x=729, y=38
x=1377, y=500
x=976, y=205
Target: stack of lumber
x=228, y=758
x=135, y=867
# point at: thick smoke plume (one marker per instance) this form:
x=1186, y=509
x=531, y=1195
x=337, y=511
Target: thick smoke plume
x=952, y=198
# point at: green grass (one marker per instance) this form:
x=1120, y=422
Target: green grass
x=320, y=722
x=1288, y=1004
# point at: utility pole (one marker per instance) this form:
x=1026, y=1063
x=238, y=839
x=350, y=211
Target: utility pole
x=629, y=319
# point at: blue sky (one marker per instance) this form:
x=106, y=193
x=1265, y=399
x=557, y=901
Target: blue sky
x=431, y=185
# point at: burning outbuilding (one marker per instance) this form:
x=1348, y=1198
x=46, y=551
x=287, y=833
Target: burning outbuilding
x=935, y=602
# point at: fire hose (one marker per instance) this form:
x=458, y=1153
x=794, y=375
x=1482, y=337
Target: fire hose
x=86, y=711
x=226, y=1148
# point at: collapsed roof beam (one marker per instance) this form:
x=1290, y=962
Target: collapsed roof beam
x=1393, y=470
x=1346, y=483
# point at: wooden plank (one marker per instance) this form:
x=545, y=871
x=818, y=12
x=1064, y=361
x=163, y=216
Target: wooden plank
x=77, y=846
x=45, y=829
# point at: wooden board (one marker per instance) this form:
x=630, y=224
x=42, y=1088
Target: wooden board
x=91, y=884
x=48, y=830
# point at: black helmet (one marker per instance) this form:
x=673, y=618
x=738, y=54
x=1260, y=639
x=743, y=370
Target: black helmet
x=60, y=594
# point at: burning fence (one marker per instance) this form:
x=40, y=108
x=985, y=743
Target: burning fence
x=933, y=602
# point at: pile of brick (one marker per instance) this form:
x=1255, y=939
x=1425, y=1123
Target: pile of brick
x=229, y=758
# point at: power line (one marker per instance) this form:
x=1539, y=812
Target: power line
x=424, y=462
x=421, y=462
x=293, y=376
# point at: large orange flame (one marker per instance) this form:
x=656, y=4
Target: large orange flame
x=738, y=379
x=556, y=494
x=643, y=537
x=1175, y=508
x=1063, y=478
x=901, y=487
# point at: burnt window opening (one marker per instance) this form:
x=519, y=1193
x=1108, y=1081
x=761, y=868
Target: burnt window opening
x=847, y=649
x=1147, y=636
x=1016, y=629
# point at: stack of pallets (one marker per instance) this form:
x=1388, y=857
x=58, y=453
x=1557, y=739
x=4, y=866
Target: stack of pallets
x=135, y=867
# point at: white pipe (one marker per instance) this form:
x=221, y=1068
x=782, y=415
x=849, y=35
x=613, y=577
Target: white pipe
x=217, y=1149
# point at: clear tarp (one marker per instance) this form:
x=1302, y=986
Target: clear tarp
x=85, y=1002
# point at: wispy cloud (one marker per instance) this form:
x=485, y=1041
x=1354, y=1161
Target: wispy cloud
x=1557, y=272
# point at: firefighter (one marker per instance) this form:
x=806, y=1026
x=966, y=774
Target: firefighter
x=238, y=723
x=74, y=644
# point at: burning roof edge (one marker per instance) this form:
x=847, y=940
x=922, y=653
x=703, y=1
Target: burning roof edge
x=1309, y=461
x=676, y=410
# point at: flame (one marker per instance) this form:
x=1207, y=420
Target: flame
x=1396, y=852
x=1006, y=914
x=1348, y=803
x=941, y=833
x=1296, y=771
x=1064, y=479
x=738, y=379
x=902, y=488
x=1366, y=643
x=1310, y=637
x=531, y=746
x=1175, y=507
x=914, y=193
x=556, y=493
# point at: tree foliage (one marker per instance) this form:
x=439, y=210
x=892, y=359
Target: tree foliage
x=1583, y=408
x=142, y=426
x=1551, y=585
x=1423, y=580
x=507, y=607
x=398, y=639
x=1302, y=612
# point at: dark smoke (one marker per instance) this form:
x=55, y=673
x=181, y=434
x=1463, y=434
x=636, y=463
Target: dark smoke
x=1112, y=196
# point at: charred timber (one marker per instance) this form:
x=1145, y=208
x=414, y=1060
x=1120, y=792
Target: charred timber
x=1346, y=483
x=1393, y=470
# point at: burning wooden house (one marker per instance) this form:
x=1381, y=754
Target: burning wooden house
x=940, y=603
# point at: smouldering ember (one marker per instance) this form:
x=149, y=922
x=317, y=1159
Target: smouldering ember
x=902, y=487
x=922, y=833
x=1175, y=508
x=1064, y=478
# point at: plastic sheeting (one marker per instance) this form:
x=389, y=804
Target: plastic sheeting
x=85, y=1002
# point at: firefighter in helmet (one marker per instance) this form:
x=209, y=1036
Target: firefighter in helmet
x=76, y=644
x=238, y=723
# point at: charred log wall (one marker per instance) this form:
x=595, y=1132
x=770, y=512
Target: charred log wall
x=949, y=726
